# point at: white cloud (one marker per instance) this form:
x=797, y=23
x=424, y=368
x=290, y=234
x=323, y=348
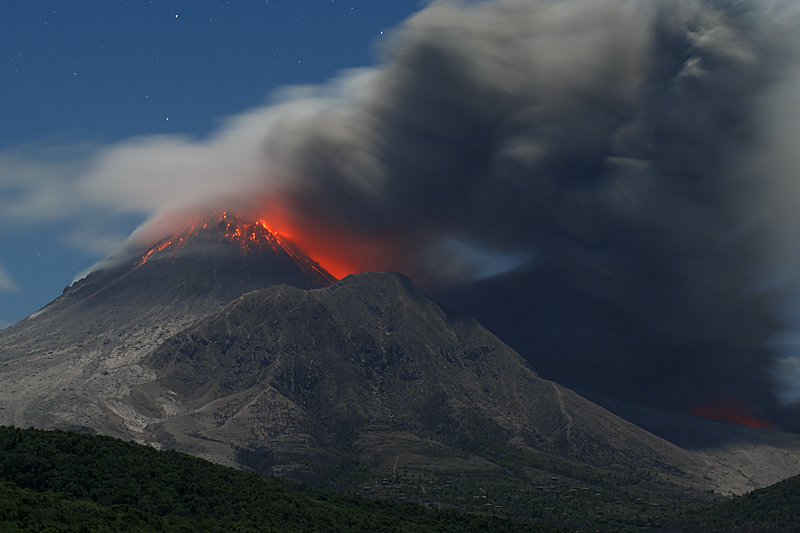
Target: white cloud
x=146, y=175
x=39, y=183
x=85, y=187
x=165, y=172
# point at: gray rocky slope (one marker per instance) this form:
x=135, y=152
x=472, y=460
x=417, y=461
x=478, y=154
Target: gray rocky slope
x=307, y=383
x=71, y=363
x=371, y=368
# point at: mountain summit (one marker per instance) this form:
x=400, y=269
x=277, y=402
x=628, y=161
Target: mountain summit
x=258, y=246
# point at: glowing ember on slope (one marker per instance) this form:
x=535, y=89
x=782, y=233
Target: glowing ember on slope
x=728, y=411
x=249, y=236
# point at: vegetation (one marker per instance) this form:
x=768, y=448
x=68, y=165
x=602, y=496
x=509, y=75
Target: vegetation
x=542, y=489
x=64, y=481
x=775, y=508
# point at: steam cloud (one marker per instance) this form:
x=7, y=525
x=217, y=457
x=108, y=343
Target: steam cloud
x=609, y=185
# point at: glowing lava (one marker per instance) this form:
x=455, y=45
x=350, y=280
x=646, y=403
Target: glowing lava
x=339, y=248
x=728, y=411
x=248, y=236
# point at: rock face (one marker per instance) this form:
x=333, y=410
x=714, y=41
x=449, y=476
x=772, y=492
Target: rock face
x=290, y=381
x=368, y=358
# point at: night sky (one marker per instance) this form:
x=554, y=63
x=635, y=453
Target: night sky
x=77, y=76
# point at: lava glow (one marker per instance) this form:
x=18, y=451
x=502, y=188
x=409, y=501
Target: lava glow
x=248, y=236
x=727, y=411
x=339, y=249
x=331, y=249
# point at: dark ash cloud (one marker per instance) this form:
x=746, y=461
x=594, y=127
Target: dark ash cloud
x=620, y=146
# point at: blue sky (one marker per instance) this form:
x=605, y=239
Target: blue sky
x=77, y=77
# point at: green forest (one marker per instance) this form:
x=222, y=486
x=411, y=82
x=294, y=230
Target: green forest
x=65, y=481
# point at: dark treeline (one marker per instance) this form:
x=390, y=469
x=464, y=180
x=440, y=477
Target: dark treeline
x=64, y=481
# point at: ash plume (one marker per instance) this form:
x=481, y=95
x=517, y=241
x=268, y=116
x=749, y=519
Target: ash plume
x=633, y=160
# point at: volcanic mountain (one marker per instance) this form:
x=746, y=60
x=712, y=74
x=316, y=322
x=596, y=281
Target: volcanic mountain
x=225, y=341
x=70, y=363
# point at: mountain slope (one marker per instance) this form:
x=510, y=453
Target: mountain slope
x=290, y=381
x=758, y=457
x=69, y=364
x=364, y=385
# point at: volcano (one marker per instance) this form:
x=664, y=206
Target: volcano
x=226, y=341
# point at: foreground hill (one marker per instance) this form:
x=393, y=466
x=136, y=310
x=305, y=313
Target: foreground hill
x=63, y=481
